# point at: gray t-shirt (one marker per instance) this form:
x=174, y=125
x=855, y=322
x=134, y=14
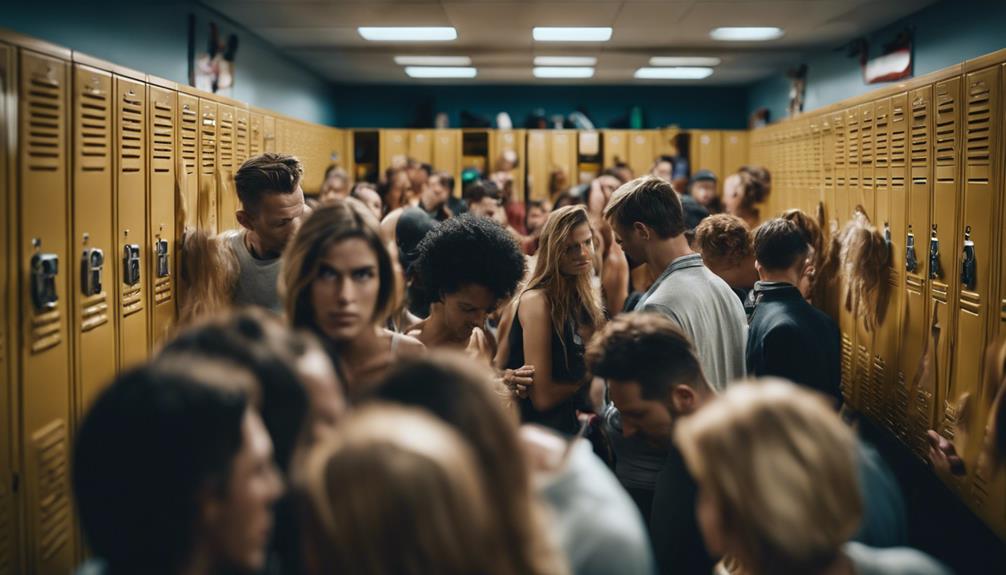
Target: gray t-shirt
x=709, y=313
x=892, y=561
x=595, y=520
x=257, y=279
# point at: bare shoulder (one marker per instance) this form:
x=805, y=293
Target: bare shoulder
x=409, y=346
x=534, y=306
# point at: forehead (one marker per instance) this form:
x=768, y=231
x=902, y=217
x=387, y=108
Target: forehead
x=350, y=253
x=474, y=294
x=581, y=233
x=368, y=195
x=280, y=203
x=625, y=393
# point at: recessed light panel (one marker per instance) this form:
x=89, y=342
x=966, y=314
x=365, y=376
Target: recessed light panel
x=564, y=61
x=571, y=34
x=433, y=60
x=441, y=71
x=408, y=34
x=563, y=72
x=746, y=34
x=676, y=73
x=684, y=61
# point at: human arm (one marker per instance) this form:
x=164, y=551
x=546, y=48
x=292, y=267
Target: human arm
x=534, y=315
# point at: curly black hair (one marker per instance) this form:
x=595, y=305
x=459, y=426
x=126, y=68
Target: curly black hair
x=468, y=250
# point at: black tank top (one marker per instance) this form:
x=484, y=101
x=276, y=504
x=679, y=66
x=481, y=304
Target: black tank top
x=567, y=366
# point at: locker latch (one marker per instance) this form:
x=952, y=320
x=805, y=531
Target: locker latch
x=131, y=264
x=44, y=268
x=911, y=261
x=90, y=271
x=163, y=263
x=969, y=266
x=934, y=255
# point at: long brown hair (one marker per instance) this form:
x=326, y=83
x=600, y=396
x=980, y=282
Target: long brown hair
x=341, y=220
x=569, y=297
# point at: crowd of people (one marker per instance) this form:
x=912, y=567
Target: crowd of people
x=631, y=377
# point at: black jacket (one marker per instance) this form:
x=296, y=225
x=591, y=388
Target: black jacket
x=792, y=339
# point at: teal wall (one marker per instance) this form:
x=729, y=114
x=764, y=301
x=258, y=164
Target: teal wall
x=152, y=37
x=946, y=33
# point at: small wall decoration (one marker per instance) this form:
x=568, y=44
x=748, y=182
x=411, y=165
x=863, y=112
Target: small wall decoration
x=797, y=89
x=211, y=58
x=894, y=62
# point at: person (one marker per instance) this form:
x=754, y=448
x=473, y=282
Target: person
x=812, y=233
x=743, y=191
x=537, y=212
x=338, y=281
x=694, y=212
x=272, y=206
x=396, y=492
x=483, y=199
x=724, y=241
x=466, y=267
x=432, y=199
x=655, y=380
x=613, y=268
x=186, y=432
x=335, y=185
x=648, y=222
x=367, y=193
x=419, y=177
x=395, y=190
x=790, y=501
x=703, y=188
x=788, y=337
x=555, y=314
x=461, y=394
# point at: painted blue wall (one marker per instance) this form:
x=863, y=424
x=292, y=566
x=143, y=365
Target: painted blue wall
x=946, y=33
x=386, y=106
x=152, y=37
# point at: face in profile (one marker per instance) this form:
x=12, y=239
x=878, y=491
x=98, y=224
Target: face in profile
x=704, y=192
x=335, y=187
x=732, y=193
x=437, y=192
x=578, y=254
x=240, y=520
x=663, y=170
x=344, y=293
x=646, y=418
x=468, y=308
x=398, y=191
x=371, y=199
x=536, y=216
x=485, y=208
x=277, y=218
x=630, y=242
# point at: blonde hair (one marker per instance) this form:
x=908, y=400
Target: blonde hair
x=209, y=271
x=330, y=224
x=780, y=465
x=568, y=297
x=396, y=492
x=864, y=257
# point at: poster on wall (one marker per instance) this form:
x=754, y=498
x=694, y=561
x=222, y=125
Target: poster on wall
x=894, y=63
x=212, y=55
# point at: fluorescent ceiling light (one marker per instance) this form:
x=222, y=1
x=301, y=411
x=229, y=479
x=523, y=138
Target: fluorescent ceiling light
x=678, y=73
x=571, y=34
x=433, y=60
x=746, y=34
x=440, y=72
x=408, y=34
x=563, y=72
x=684, y=61
x=565, y=60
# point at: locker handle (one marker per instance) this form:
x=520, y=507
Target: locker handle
x=44, y=269
x=163, y=262
x=91, y=265
x=131, y=264
x=911, y=260
x=969, y=265
x=934, y=255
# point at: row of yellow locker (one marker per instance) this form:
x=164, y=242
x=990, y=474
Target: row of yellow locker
x=925, y=160
x=577, y=154
x=91, y=156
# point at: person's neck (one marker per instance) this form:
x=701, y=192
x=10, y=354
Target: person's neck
x=741, y=275
x=254, y=245
x=662, y=252
x=435, y=331
x=358, y=349
x=790, y=276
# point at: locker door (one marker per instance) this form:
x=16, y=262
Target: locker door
x=394, y=148
x=10, y=501
x=241, y=136
x=707, y=152
x=268, y=134
x=161, y=123
x=853, y=160
x=256, y=134
x=537, y=165
x=976, y=266
x=421, y=146
x=867, y=190
x=45, y=348
x=447, y=153
x=563, y=146
x=131, y=219
x=94, y=247
x=188, y=144
x=641, y=144
x=616, y=147
x=226, y=195
x=514, y=141
x=828, y=166
x=207, y=197
x=839, y=161
x=945, y=205
x=735, y=152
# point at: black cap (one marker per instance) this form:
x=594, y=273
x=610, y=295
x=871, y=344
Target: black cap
x=704, y=176
x=412, y=227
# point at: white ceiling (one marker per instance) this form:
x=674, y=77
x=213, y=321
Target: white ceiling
x=497, y=35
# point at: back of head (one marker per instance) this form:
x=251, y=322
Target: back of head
x=148, y=449
x=651, y=201
x=395, y=492
x=780, y=465
x=647, y=348
x=809, y=227
x=413, y=225
x=478, y=190
x=756, y=183
x=723, y=238
x=269, y=173
x=779, y=245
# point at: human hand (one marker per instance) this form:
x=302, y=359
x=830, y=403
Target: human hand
x=943, y=455
x=519, y=380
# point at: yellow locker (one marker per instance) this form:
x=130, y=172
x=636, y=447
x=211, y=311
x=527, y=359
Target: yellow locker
x=828, y=165
x=188, y=143
x=94, y=250
x=735, y=152
x=227, y=201
x=641, y=146
x=549, y=151
x=131, y=109
x=421, y=146
x=241, y=136
x=840, y=161
x=616, y=146
x=161, y=256
x=447, y=153
x=208, y=141
x=866, y=158
x=268, y=134
x=10, y=501
x=707, y=152
x=44, y=267
x=563, y=153
x=394, y=148
x=256, y=134
x=515, y=141
x=853, y=163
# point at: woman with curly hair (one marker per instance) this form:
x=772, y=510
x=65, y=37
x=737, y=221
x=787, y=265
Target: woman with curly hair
x=466, y=268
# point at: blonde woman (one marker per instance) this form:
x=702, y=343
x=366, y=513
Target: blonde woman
x=778, y=487
x=556, y=313
x=338, y=280
x=396, y=492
